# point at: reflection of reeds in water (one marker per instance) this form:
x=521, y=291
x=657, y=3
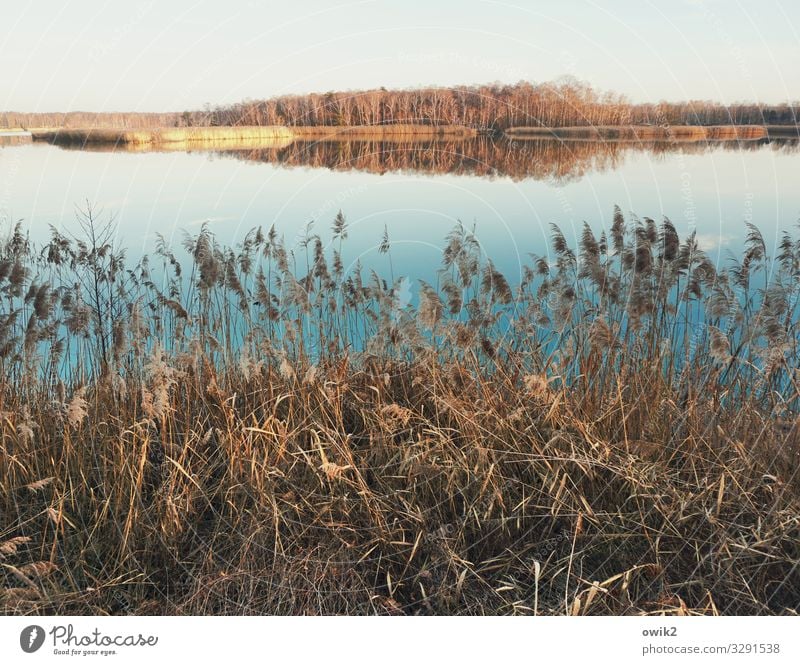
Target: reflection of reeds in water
x=536, y=157
x=259, y=431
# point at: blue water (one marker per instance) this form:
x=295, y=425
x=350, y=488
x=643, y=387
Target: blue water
x=713, y=192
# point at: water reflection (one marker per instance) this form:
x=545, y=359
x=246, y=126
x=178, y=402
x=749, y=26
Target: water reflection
x=14, y=138
x=509, y=191
x=554, y=160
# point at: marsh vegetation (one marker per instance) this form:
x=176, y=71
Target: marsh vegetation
x=255, y=429
x=520, y=157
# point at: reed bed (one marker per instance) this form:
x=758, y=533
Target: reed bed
x=646, y=132
x=16, y=138
x=181, y=137
x=783, y=131
x=163, y=135
x=384, y=131
x=255, y=430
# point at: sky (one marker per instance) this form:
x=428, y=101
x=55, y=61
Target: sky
x=148, y=55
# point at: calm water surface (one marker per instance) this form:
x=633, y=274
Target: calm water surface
x=510, y=191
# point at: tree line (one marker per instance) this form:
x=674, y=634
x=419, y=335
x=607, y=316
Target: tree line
x=562, y=103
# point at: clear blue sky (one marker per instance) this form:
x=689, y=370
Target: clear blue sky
x=107, y=55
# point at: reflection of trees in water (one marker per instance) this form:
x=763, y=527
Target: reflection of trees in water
x=541, y=159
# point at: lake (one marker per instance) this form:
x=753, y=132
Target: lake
x=510, y=190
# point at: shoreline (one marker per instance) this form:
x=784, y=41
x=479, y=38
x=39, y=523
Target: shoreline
x=646, y=132
x=259, y=135
x=160, y=135
x=256, y=134
x=658, y=132
x=408, y=435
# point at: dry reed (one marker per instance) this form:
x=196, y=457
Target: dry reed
x=212, y=431
x=164, y=135
x=650, y=132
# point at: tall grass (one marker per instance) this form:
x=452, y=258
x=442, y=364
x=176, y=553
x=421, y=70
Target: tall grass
x=647, y=132
x=188, y=137
x=169, y=136
x=257, y=430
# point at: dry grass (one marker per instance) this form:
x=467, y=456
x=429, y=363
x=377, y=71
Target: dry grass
x=539, y=157
x=164, y=136
x=783, y=131
x=388, y=131
x=191, y=136
x=224, y=146
x=646, y=133
x=617, y=434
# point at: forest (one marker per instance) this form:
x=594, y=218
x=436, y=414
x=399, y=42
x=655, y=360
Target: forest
x=563, y=103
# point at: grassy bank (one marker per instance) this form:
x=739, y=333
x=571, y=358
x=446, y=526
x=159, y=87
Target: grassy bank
x=542, y=157
x=254, y=430
x=376, y=132
x=162, y=136
x=187, y=136
x=783, y=131
x=644, y=132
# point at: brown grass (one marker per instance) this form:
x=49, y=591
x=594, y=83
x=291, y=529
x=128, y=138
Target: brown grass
x=644, y=133
x=164, y=136
x=783, y=131
x=182, y=137
x=616, y=434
